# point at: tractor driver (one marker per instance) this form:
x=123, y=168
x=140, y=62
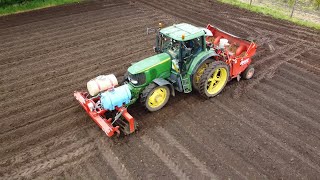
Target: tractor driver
x=191, y=47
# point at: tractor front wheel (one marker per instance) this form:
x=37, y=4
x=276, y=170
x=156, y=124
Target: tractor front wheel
x=154, y=97
x=214, y=79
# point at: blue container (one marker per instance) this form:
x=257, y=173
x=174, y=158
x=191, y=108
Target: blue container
x=116, y=97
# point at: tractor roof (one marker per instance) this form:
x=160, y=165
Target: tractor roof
x=176, y=31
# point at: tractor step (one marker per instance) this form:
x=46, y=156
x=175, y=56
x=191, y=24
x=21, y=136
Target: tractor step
x=186, y=84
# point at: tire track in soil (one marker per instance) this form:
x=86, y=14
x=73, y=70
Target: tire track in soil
x=101, y=168
x=306, y=72
x=201, y=167
x=235, y=165
x=290, y=101
x=173, y=166
x=225, y=161
x=109, y=156
x=175, y=155
x=261, y=153
x=93, y=172
x=266, y=72
x=38, y=157
x=292, y=91
x=296, y=89
x=28, y=172
x=286, y=154
x=276, y=126
x=54, y=144
x=45, y=133
x=312, y=125
x=306, y=66
x=272, y=139
x=296, y=83
x=307, y=82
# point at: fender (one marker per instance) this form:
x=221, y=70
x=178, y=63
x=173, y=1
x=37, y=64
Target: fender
x=163, y=82
x=200, y=59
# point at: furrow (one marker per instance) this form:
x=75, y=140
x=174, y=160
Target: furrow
x=57, y=22
x=63, y=89
x=201, y=167
x=68, y=37
x=55, y=145
x=229, y=159
x=80, y=44
x=279, y=107
x=173, y=166
x=270, y=137
x=28, y=172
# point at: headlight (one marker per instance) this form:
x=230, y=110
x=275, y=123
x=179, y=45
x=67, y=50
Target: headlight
x=134, y=81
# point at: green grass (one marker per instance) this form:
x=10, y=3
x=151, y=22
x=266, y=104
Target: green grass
x=276, y=13
x=31, y=5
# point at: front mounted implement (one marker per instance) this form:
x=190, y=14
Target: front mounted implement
x=110, y=121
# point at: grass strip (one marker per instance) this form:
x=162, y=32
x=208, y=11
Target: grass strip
x=32, y=5
x=276, y=13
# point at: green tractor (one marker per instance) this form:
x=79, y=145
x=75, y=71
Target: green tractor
x=186, y=60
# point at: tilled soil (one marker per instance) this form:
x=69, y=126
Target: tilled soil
x=264, y=128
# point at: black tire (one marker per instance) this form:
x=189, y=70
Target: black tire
x=196, y=75
x=222, y=68
x=148, y=92
x=248, y=73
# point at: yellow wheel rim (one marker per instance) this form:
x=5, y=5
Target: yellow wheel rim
x=217, y=81
x=157, y=98
x=200, y=71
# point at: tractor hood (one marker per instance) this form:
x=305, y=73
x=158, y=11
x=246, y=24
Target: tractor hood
x=160, y=62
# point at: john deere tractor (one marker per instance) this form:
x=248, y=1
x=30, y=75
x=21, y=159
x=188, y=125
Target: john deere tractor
x=187, y=58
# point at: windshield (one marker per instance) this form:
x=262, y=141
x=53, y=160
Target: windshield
x=169, y=45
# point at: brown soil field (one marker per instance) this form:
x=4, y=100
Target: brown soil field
x=264, y=128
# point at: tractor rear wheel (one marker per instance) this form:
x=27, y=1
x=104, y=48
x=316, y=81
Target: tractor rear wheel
x=214, y=79
x=248, y=73
x=198, y=73
x=154, y=97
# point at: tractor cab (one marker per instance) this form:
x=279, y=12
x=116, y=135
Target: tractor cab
x=182, y=42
